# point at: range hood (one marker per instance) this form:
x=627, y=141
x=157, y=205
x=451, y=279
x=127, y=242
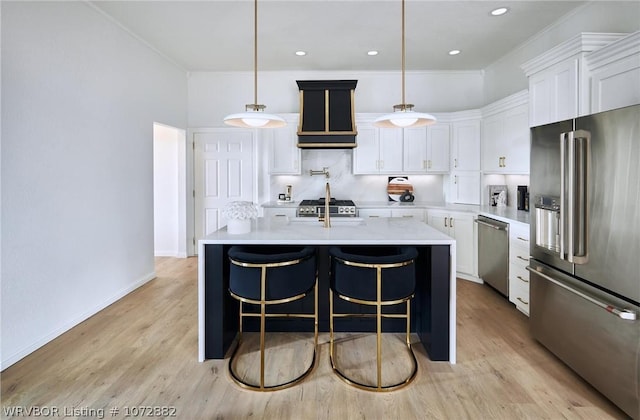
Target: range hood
x=327, y=115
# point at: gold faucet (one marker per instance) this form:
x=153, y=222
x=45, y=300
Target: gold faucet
x=327, y=198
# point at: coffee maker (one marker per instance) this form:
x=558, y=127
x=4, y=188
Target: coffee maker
x=523, y=197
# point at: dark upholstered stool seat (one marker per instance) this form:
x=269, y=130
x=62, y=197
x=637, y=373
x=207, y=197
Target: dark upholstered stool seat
x=272, y=275
x=375, y=276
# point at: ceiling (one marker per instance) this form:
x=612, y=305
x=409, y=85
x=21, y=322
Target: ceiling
x=218, y=35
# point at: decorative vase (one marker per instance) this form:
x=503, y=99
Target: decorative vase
x=239, y=226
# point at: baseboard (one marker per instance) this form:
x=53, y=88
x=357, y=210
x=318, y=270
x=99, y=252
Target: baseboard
x=170, y=254
x=469, y=277
x=5, y=363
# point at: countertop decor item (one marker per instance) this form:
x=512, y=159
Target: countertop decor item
x=239, y=215
x=498, y=195
x=400, y=189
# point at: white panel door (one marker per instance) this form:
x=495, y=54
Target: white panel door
x=223, y=163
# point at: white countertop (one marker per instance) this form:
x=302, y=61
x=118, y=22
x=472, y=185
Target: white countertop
x=344, y=231
x=505, y=214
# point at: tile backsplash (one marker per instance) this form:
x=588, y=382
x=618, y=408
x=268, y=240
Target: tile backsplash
x=345, y=185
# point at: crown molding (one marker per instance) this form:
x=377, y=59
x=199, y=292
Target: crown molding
x=584, y=42
x=617, y=50
x=504, y=104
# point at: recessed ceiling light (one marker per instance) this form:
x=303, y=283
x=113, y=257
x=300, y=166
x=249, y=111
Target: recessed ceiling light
x=301, y=53
x=499, y=11
x=454, y=52
x=372, y=52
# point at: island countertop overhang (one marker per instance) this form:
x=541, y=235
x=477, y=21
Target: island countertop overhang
x=379, y=231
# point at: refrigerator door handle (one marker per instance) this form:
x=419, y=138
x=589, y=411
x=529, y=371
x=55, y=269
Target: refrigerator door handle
x=575, y=156
x=563, y=208
x=620, y=313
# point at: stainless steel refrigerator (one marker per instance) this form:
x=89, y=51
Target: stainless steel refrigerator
x=585, y=248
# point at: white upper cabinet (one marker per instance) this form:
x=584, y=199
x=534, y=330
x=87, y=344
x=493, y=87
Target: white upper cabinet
x=390, y=157
x=284, y=154
x=367, y=152
x=505, y=136
x=555, y=93
x=378, y=151
x=464, y=179
x=465, y=145
x=559, y=80
x=426, y=149
x=401, y=151
x=615, y=74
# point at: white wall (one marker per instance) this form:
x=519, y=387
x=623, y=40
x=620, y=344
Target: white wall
x=213, y=95
x=505, y=77
x=79, y=96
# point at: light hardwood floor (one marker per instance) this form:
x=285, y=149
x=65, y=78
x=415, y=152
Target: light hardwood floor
x=142, y=351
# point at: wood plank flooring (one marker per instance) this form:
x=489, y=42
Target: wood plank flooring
x=142, y=351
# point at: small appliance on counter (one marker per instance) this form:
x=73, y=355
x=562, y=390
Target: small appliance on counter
x=523, y=197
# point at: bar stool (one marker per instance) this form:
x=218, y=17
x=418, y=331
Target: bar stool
x=374, y=276
x=268, y=276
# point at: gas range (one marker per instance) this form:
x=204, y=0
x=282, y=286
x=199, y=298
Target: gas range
x=337, y=208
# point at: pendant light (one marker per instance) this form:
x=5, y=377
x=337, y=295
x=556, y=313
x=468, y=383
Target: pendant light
x=403, y=114
x=254, y=115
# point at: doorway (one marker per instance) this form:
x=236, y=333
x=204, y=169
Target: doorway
x=169, y=191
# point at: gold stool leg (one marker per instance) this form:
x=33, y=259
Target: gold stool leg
x=378, y=387
x=379, y=324
x=261, y=387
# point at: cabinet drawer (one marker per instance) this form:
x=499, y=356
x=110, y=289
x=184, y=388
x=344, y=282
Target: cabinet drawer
x=519, y=232
x=518, y=273
x=518, y=254
x=519, y=294
x=366, y=213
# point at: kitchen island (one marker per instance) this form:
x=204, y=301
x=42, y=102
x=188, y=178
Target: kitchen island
x=433, y=309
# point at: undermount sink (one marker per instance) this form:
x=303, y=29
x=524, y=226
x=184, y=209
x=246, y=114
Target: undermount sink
x=335, y=221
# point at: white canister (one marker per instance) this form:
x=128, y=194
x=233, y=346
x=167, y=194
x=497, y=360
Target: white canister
x=239, y=226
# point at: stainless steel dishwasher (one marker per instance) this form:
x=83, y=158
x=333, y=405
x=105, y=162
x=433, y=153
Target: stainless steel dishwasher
x=493, y=253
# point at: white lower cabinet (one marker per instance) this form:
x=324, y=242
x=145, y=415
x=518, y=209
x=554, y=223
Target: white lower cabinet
x=518, y=261
x=279, y=212
x=415, y=214
x=367, y=213
x=409, y=213
x=461, y=227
